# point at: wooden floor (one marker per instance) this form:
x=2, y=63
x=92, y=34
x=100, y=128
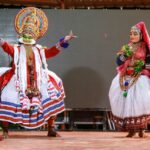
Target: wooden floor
x=73, y=140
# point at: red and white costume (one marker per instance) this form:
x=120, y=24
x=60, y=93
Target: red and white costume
x=15, y=106
x=132, y=111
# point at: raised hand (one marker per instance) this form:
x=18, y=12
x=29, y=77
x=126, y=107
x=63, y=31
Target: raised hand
x=1, y=41
x=69, y=36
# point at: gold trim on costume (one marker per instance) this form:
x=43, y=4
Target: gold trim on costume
x=132, y=81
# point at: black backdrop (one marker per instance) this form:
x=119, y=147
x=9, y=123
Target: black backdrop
x=88, y=65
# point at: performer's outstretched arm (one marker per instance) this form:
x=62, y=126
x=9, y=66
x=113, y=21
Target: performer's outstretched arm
x=50, y=52
x=7, y=47
x=62, y=44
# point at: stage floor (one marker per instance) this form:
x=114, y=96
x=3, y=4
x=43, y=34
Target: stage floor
x=73, y=140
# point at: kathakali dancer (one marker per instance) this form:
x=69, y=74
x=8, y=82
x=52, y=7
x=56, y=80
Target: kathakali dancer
x=31, y=95
x=130, y=90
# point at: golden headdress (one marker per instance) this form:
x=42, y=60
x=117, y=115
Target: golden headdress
x=31, y=23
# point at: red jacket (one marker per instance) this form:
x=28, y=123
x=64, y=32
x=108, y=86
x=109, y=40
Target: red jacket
x=5, y=78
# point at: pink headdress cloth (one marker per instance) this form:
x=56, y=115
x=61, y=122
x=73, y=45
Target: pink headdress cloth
x=141, y=25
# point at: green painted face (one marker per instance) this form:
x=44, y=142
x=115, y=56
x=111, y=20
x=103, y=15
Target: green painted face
x=27, y=38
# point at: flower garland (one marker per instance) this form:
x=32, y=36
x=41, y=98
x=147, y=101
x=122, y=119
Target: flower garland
x=127, y=82
x=132, y=73
x=127, y=51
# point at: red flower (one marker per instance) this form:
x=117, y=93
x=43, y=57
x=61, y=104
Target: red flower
x=130, y=72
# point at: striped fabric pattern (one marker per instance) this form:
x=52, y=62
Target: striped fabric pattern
x=13, y=113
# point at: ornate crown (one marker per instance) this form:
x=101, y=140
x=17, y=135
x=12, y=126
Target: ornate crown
x=31, y=23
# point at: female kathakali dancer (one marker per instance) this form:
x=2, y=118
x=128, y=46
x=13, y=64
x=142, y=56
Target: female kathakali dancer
x=130, y=90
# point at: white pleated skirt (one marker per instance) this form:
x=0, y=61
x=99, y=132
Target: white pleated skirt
x=52, y=103
x=132, y=111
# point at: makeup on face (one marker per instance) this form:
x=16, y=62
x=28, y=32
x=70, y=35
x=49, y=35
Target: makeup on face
x=135, y=36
